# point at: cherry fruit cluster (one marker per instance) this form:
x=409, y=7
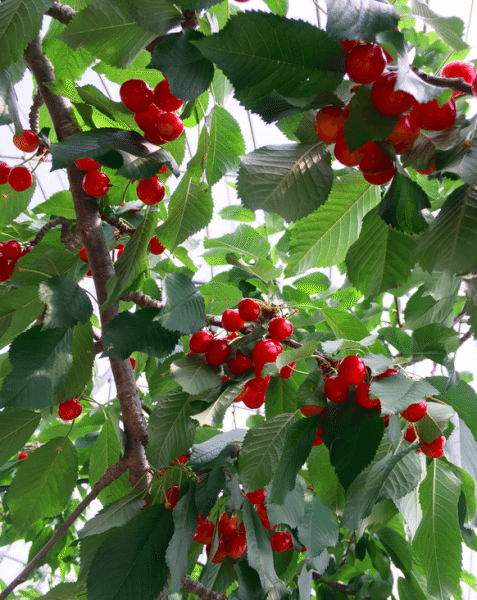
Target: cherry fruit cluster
x=19, y=178
x=10, y=252
x=232, y=539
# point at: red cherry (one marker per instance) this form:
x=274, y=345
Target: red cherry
x=5, y=269
x=120, y=248
x=87, y=164
x=133, y=362
x=352, y=369
x=70, y=409
x=151, y=191
x=181, y=459
x=349, y=44
x=249, y=309
x=20, y=179
x=388, y=100
x=136, y=95
x=89, y=274
x=12, y=250
x=329, y=121
x=281, y=541
x=22, y=456
x=430, y=169
x=227, y=526
x=82, y=254
x=280, y=328
x=164, y=99
x=235, y=544
x=374, y=159
x=217, y=352
x=225, y=378
x=405, y=133
x=231, y=320
x=287, y=371
x=410, y=434
x=155, y=246
x=415, y=412
x=199, y=342
x=169, y=126
x=433, y=117
x=261, y=511
x=265, y=351
x=336, y=389
x=458, y=68
x=252, y=399
x=365, y=63
x=259, y=384
x=172, y=496
x=4, y=172
x=145, y=505
x=240, y=364
x=387, y=373
x=163, y=169
x=96, y=184
x=152, y=136
x=380, y=178
x=204, y=533
x=318, y=439
x=311, y=409
x=221, y=553
x=257, y=497
x=434, y=449
x=146, y=120
x=362, y=396
x=232, y=336
x=26, y=142
x=343, y=154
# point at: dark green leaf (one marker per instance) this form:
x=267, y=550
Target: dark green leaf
x=282, y=395
x=347, y=20
x=397, y=547
x=422, y=310
x=402, y=205
x=226, y=145
x=434, y=341
x=16, y=428
x=318, y=529
x=398, y=338
x=158, y=16
x=194, y=374
x=67, y=303
x=396, y=393
x=324, y=479
x=434, y=422
x=184, y=310
x=114, y=515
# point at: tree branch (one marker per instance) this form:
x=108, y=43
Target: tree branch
x=112, y=473
x=61, y=13
x=197, y=588
x=118, y=223
x=66, y=225
x=453, y=83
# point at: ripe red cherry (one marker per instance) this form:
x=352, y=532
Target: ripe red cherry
x=70, y=409
x=261, y=511
x=374, y=159
x=22, y=456
x=343, y=154
x=329, y=121
x=458, y=68
x=5, y=269
x=87, y=164
x=265, y=351
x=318, y=439
x=4, y=172
x=235, y=544
x=204, y=534
x=405, y=133
x=83, y=255
x=147, y=119
x=136, y=95
x=172, y=497
x=155, y=246
x=336, y=389
x=163, y=169
x=217, y=352
x=352, y=369
x=311, y=409
x=281, y=541
x=26, y=142
x=362, y=396
x=240, y=364
x=474, y=86
x=252, y=399
x=259, y=384
x=280, y=328
x=434, y=449
x=380, y=178
x=430, y=169
x=152, y=136
x=151, y=191
x=96, y=184
x=388, y=100
x=410, y=434
x=164, y=99
x=226, y=525
x=231, y=320
x=120, y=249
x=133, y=362
x=365, y=63
x=415, y=412
x=199, y=342
x=12, y=250
x=20, y=179
x=257, y=497
x=249, y=309
x=287, y=371
x=433, y=117
x=221, y=553
x=387, y=373
x=348, y=44
x=168, y=126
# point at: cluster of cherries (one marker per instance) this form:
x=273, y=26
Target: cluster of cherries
x=218, y=350
x=10, y=252
x=19, y=178
x=352, y=372
x=366, y=64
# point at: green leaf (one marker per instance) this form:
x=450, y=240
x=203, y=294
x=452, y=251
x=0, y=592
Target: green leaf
x=116, y=568
x=292, y=180
x=348, y=326
x=251, y=53
x=450, y=243
x=40, y=362
x=323, y=238
x=397, y=547
x=59, y=204
x=318, y=528
x=437, y=543
x=138, y=332
x=397, y=338
x=171, y=432
x=279, y=7
x=402, y=205
x=67, y=303
x=20, y=22
x=396, y=393
x=184, y=310
x=347, y=20
x=245, y=240
x=189, y=74
x=68, y=63
x=449, y=29
x=282, y=395
x=194, y=374
x=237, y=213
x=226, y=145
x=213, y=415
x=16, y=428
x=111, y=516
x=9, y=107
x=381, y=258
x=434, y=341
x=190, y=210
x=18, y=309
x=434, y=422
x=422, y=310
x=157, y=16
x=220, y=296
x=13, y=203
x=107, y=29
x=261, y=450
x=43, y=483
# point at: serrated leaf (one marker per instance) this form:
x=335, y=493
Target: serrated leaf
x=14, y=203
x=324, y=479
x=67, y=303
x=9, y=105
x=323, y=238
x=434, y=422
x=220, y=296
x=422, y=310
x=318, y=529
x=397, y=338
x=214, y=414
x=226, y=144
x=245, y=240
x=114, y=515
x=43, y=484
x=138, y=332
x=68, y=63
x=237, y=213
x=251, y=53
x=117, y=569
x=40, y=362
x=184, y=310
x=381, y=258
x=16, y=428
x=402, y=205
x=347, y=20
x=208, y=451
x=437, y=543
x=190, y=210
x=434, y=341
x=305, y=351
x=20, y=22
x=348, y=326
x=450, y=243
x=157, y=16
x=262, y=449
x=449, y=29
x=18, y=309
x=194, y=374
x=292, y=180
x=171, y=432
x=108, y=30
x=397, y=547
x=396, y=393
x=282, y=394
x=60, y=204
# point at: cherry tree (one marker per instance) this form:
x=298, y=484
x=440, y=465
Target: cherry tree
x=354, y=476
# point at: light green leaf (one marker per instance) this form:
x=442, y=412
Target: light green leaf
x=226, y=144
x=18, y=309
x=237, y=213
x=305, y=351
x=16, y=428
x=213, y=415
x=396, y=393
x=59, y=204
x=347, y=20
x=13, y=203
x=318, y=529
x=449, y=29
x=434, y=422
x=184, y=310
x=67, y=303
x=194, y=374
x=245, y=240
x=220, y=296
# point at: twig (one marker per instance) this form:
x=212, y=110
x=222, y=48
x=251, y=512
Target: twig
x=34, y=115
x=118, y=223
x=454, y=83
x=197, y=588
x=66, y=225
x=146, y=408
x=112, y=473
x=61, y=13
x=465, y=337
x=398, y=315
x=335, y=585
x=141, y=300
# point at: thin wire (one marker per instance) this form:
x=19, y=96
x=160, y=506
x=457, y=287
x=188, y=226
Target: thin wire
x=469, y=20
x=251, y=130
